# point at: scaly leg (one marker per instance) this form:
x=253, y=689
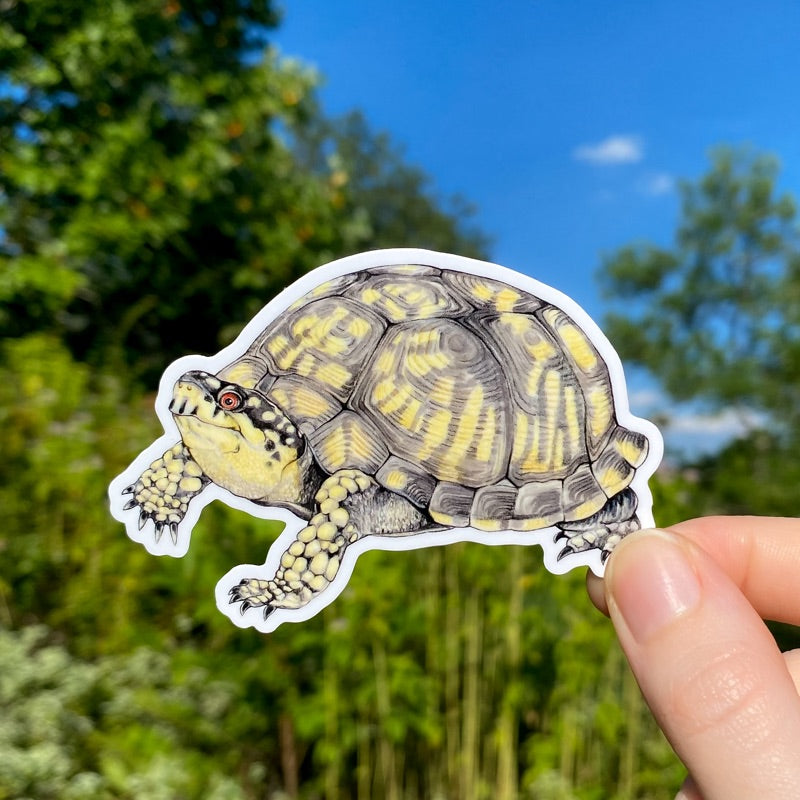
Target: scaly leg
x=604, y=530
x=350, y=505
x=164, y=490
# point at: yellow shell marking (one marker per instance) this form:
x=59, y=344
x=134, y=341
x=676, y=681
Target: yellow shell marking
x=482, y=292
x=598, y=402
x=505, y=299
x=386, y=361
x=541, y=350
x=552, y=393
x=419, y=366
x=579, y=346
x=573, y=430
x=434, y=433
x=320, y=339
x=589, y=507
x=358, y=327
x=410, y=417
x=629, y=450
x=442, y=391
x=332, y=374
x=334, y=449
x=614, y=480
x=395, y=480
x=466, y=431
x=519, y=323
x=484, y=449
x=245, y=373
x=302, y=401
x=540, y=443
x=370, y=296
x=406, y=299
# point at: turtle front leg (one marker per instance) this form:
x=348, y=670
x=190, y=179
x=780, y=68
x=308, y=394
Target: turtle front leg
x=164, y=489
x=350, y=505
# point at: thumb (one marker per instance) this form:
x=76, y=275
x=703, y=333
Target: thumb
x=708, y=667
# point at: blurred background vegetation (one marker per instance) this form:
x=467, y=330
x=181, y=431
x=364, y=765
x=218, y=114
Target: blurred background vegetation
x=162, y=174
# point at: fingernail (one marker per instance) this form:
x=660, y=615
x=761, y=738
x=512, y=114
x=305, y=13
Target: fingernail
x=651, y=582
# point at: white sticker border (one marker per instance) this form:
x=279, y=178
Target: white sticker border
x=254, y=617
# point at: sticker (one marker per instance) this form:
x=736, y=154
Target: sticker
x=396, y=399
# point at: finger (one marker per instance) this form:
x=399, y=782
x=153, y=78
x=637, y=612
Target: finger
x=597, y=591
x=689, y=791
x=708, y=666
x=792, y=659
x=761, y=555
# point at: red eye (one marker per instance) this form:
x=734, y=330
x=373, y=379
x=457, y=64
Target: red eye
x=230, y=401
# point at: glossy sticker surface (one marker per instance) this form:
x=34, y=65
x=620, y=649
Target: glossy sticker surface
x=396, y=399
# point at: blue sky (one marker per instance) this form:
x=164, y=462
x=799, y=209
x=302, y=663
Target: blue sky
x=566, y=122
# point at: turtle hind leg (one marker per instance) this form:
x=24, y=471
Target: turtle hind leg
x=604, y=530
x=349, y=505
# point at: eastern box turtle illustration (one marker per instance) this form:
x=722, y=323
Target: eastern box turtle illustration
x=399, y=400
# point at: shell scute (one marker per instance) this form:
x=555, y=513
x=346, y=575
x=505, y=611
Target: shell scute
x=326, y=341
x=400, y=297
x=439, y=399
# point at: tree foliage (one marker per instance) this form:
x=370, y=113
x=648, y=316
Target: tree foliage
x=716, y=316
x=150, y=199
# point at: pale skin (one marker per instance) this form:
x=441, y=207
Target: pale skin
x=687, y=604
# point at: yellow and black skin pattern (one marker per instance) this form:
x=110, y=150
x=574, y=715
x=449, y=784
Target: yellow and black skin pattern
x=397, y=400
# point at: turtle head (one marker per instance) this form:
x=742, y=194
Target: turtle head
x=241, y=439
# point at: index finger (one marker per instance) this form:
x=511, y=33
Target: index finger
x=761, y=555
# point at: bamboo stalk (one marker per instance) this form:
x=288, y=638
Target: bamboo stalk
x=330, y=698
x=432, y=781
x=470, y=755
x=386, y=754
x=289, y=762
x=452, y=672
x=629, y=760
x=507, y=733
x=364, y=770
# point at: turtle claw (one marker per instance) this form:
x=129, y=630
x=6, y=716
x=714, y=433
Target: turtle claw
x=245, y=607
x=267, y=611
x=159, y=531
x=129, y=489
x=567, y=551
x=129, y=505
x=173, y=532
x=142, y=519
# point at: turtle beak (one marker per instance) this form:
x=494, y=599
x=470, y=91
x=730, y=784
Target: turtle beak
x=192, y=392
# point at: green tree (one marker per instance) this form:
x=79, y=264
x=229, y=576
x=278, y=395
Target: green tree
x=146, y=200
x=716, y=317
x=394, y=198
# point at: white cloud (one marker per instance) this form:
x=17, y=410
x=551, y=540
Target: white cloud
x=646, y=398
x=657, y=184
x=612, y=150
x=727, y=423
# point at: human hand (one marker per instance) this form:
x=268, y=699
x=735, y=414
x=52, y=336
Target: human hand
x=687, y=604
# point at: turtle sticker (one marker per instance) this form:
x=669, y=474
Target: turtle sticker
x=396, y=399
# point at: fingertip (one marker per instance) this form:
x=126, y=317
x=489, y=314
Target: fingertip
x=596, y=590
x=650, y=582
x=689, y=790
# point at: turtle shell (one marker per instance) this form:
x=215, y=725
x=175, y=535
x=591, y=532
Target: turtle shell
x=478, y=402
